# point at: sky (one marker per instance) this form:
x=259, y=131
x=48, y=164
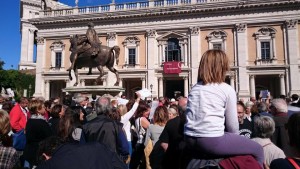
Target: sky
x=10, y=35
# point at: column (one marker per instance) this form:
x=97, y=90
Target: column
x=186, y=86
x=24, y=44
x=182, y=59
x=195, y=53
x=186, y=52
x=82, y=82
x=151, y=54
x=252, y=85
x=121, y=85
x=242, y=55
x=111, y=77
x=39, y=81
x=161, y=87
x=47, y=89
x=30, y=45
x=232, y=81
x=121, y=82
x=282, y=85
x=143, y=82
x=293, y=55
x=104, y=81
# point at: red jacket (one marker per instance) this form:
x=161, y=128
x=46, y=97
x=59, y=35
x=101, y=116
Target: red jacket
x=18, y=119
x=240, y=162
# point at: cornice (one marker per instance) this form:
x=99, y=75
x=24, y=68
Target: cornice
x=36, y=3
x=201, y=10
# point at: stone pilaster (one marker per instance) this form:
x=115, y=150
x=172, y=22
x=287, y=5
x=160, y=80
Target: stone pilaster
x=293, y=55
x=151, y=54
x=195, y=54
x=39, y=81
x=242, y=56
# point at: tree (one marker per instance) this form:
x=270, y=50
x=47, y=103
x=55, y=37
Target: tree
x=1, y=64
x=17, y=81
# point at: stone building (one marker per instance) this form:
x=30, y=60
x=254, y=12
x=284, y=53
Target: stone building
x=260, y=37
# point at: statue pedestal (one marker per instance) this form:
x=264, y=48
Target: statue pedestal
x=97, y=90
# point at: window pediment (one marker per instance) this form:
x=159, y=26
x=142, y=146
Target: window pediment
x=57, y=45
x=131, y=40
x=172, y=34
x=265, y=31
x=217, y=34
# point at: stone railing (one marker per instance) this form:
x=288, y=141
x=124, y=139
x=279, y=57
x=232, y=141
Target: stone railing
x=123, y=7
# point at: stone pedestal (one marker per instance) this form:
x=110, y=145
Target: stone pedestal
x=97, y=90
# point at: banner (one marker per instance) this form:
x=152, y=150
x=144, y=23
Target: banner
x=172, y=67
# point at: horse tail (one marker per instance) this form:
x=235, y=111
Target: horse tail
x=117, y=53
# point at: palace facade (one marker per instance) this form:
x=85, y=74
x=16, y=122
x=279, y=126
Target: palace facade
x=261, y=39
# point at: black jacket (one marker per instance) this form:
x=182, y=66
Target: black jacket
x=103, y=130
x=89, y=155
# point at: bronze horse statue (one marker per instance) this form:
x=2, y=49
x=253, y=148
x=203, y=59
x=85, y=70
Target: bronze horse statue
x=105, y=57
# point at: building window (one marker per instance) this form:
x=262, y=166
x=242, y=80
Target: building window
x=58, y=59
x=265, y=50
x=131, y=45
x=265, y=46
x=217, y=40
x=57, y=55
x=131, y=56
x=172, y=51
x=217, y=46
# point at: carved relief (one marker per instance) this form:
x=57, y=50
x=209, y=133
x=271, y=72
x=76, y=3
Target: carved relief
x=291, y=24
x=151, y=33
x=57, y=44
x=195, y=30
x=40, y=40
x=240, y=27
x=265, y=31
x=111, y=36
x=131, y=40
x=218, y=34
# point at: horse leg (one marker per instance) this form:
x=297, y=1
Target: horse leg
x=73, y=63
x=90, y=71
x=76, y=75
x=112, y=69
x=70, y=76
x=100, y=68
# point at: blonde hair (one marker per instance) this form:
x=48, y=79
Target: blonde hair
x=4, y=122
x=35, y=105
x=213, y=67
x=173, y=111
x=122, y=109
x=161, y=116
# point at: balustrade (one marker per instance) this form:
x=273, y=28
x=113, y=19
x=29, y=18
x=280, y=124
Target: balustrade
x=122, y=7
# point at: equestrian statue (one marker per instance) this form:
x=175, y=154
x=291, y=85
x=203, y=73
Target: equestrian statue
x=87, y=51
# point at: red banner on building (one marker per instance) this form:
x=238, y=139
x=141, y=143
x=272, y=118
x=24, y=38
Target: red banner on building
x=172, y=67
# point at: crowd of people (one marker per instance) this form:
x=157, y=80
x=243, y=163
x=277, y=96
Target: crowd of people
x=210, y=128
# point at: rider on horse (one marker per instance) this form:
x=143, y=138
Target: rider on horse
x=92, y=39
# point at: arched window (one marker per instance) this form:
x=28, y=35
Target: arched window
x=173, y=50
